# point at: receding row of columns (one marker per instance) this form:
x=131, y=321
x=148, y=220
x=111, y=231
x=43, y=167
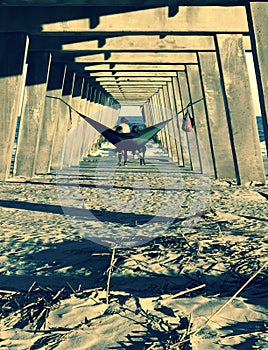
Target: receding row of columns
x=225, y=143
x=50, y=135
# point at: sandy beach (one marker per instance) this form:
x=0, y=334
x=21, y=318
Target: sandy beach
x=138, y=257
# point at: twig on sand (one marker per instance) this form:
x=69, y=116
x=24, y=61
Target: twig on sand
x=221, y=308
x=110, y=269
x=7, y=291
x=69, y=285
x=184, y=292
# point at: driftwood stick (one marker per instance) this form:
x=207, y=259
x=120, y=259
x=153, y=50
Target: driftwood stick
x=7, y=292
x=185, y=292
x=109, y=276
x=222, y=307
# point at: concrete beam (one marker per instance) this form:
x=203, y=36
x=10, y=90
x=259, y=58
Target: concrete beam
x=133, y=74
x=121, y=79
x=188, y=19
x=144, y=43
x=240, y=113
x=139, y=57
x=91, y=3
x=135, y=67
x=120, y=3
x=13, y=51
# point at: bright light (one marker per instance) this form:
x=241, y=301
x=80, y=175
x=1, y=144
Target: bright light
x=130, y=111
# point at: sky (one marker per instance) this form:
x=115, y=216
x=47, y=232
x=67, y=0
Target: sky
x=130, y=111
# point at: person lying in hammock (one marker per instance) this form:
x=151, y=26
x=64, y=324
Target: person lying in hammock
x=122, y=152
x=141, y=150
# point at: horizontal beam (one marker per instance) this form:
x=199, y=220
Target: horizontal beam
x=120, y=3
x=134, y=74
x=134, y=67
x=140, y=83
x=144, y=43
x=89, y=3
x=187, y=19
x=140, y=57
x=121, y=79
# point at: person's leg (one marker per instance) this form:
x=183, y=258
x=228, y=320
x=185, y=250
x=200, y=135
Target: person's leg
x=125, y=157
x=119, y=157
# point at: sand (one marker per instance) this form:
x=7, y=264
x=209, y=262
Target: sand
x=107, y=257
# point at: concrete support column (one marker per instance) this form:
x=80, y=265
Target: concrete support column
x=64, y=122
x=92, y=133
x=239, y=109
x=158, y=112
x=32, y=113
x=175, y=121
x=148, y=118
x=164, y=116
x=178, y=107
x=217, y=122
x=52, y=110
x=200, y=118
x=191, y=157
x=85, y=127
x=257, y=22
x=13, y=51
x=75, y=138
x=170, y=126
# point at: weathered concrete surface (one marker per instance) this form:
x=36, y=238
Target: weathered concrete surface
x=178, y=108
x=32, y=113
x=188, y=139
x=134, y=74
x=139, y=57
x=12, y=64
x=217, y=122
x=259, y=13
x=71, y=144
x=63, y=123
x=119, y=3
x=105, y=80
x=188, y=19
x=171, y=129
x=139, y=42
x=240, y=115
x=200, y=118
x=117, y=67
x=51, y=113
x=155, y=109
x=166, y=115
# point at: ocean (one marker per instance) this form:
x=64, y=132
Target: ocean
x=260, y=128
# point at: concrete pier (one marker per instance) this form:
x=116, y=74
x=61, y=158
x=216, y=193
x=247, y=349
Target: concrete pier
x=159, y=57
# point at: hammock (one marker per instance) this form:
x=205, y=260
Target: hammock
x=127, y=141
x=124, y=141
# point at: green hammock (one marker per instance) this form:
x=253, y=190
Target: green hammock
x=127, y=141
x=124, y=141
